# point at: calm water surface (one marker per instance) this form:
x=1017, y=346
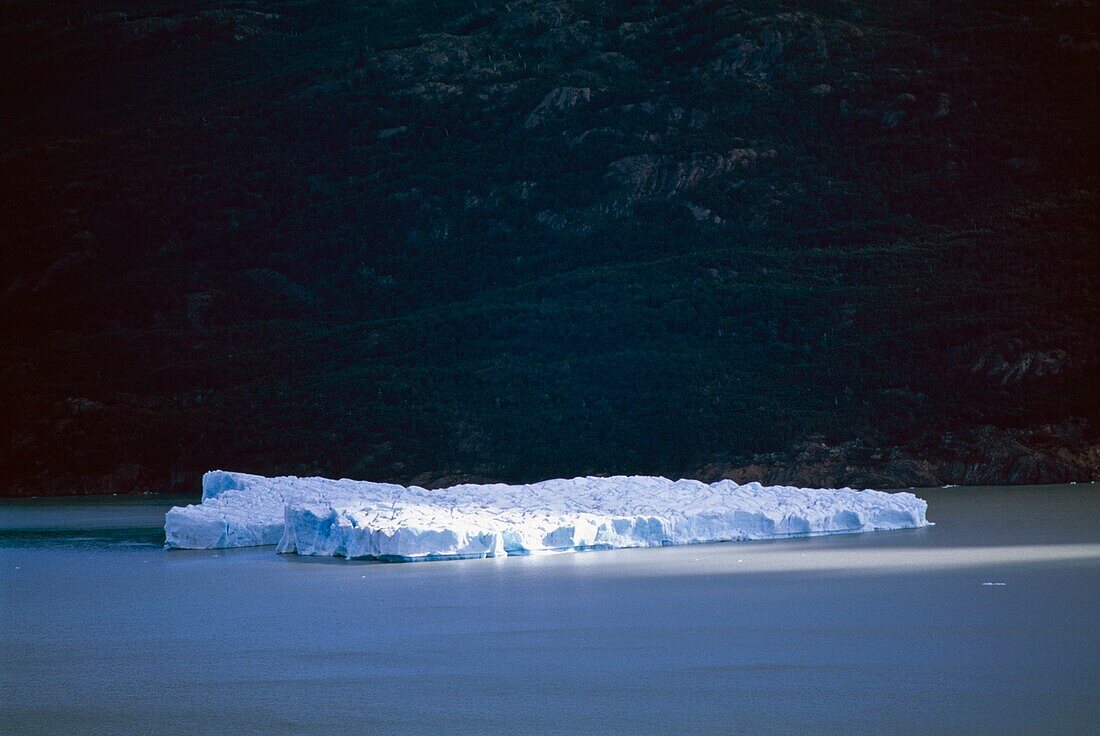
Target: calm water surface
x=104, y=632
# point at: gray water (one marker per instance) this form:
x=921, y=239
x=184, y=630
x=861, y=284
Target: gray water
x=104, y=632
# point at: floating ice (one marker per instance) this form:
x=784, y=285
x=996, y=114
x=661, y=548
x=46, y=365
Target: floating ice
x=358, y=519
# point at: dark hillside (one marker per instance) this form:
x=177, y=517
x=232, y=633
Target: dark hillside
x=815, y=242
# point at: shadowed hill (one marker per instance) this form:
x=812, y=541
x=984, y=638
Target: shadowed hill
x=826, y=242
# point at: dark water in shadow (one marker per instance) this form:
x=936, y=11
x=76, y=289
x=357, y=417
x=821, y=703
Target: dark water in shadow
x=896, y=632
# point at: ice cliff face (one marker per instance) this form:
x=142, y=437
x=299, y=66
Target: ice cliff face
x=357, y=519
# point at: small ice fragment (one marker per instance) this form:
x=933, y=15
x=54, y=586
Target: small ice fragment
x=994, y=583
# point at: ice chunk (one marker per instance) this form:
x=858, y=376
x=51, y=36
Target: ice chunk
x=358, y=519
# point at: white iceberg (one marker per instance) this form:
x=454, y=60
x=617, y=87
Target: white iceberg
x=358, y=519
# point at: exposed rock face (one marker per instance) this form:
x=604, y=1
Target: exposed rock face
x=702, y=214
x=1026, y=366
x=663, y=177
x=391, y=132
x=1011, y=361
x=556, y=101
x=436, y=57
x=774, y=40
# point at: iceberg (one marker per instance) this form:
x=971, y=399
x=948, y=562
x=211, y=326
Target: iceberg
x=385, y=521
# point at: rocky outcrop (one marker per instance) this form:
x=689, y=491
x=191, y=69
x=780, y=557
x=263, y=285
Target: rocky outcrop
x=769, y=42
x=435, y=57
x=648, y=177
x=556, y=101
x=1053, y=453
x=1026, y=366
x=1012, y=361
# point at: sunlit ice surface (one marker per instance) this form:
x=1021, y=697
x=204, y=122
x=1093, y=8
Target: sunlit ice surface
x=359, y=519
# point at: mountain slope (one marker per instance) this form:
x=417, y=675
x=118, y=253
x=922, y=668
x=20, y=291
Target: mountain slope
x=421, y=241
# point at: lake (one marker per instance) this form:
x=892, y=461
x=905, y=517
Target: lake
x=986, y=623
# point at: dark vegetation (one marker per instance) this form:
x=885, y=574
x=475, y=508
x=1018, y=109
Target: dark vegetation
x=441, y=239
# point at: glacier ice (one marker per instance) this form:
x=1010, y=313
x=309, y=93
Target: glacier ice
x=360, y=519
